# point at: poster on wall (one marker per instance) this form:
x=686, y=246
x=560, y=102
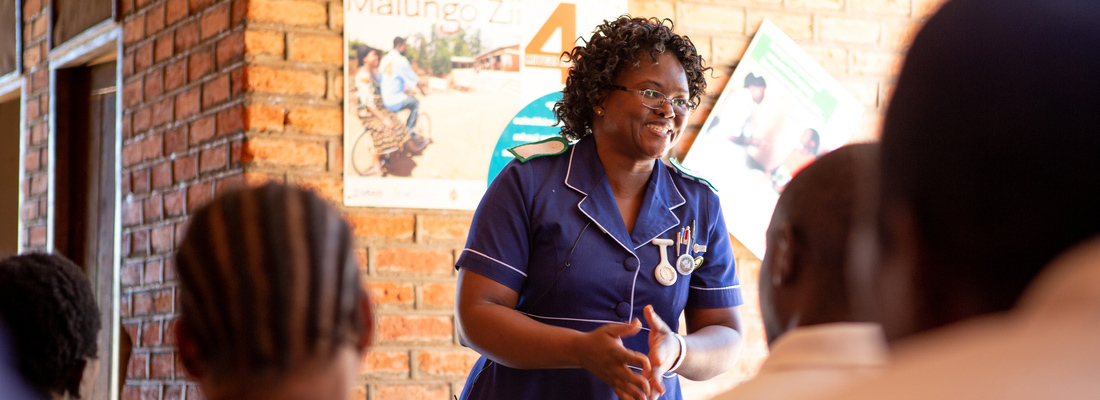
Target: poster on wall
x=544, y=72
x=779, y=112
x=431, y=86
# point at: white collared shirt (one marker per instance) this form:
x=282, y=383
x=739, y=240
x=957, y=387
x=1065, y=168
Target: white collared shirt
x=813, y=360
x=1046, y=348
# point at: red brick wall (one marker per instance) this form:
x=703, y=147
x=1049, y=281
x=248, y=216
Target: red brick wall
x=182, y=140
x=36, y=109
x=219, y=93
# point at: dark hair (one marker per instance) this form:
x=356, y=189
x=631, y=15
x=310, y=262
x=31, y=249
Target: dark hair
x=616, y=45
x=268, y=279
x=754, y=80
x=1000, y=179
x=398, y=40
x=365, y=51
x=47, y=304
x=815, y=138
x=819, y=203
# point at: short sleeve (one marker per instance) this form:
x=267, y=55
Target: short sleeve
x=498, y=245
x=715, y=283
x=408, y=75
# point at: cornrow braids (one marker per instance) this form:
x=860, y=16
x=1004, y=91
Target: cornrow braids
x=268, y=280
x=613, y=46
x=46, y=303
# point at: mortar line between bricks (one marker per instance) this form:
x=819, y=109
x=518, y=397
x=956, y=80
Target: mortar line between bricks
x=267, y=26
x=144, y=259
x=289, y=103
x=174, y=123
x=194, y=84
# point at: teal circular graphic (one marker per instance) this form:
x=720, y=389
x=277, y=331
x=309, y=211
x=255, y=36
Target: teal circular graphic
x=533, y=123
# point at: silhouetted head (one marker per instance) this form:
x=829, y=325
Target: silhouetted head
x=802, y=279
x=270, y=294
x=370, y=58
x=811, y=141
x=756, y=85
x=53, y=322
x=989, y=159
x=400, y=44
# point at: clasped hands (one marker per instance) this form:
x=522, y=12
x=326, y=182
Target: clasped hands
x=602, y=353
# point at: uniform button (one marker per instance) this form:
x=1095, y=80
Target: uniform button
x=623, y=309
x=630, y=263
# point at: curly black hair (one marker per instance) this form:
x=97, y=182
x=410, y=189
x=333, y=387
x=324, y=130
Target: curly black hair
x=615, y=45
x=47, y=304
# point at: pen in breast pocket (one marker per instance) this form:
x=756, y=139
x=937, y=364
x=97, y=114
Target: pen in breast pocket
x=694, y=232
x=679, y=241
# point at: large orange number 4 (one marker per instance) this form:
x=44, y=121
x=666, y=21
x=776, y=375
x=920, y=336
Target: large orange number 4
x=564, y=18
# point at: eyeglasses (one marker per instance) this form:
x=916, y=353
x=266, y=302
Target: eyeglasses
x=654, y=100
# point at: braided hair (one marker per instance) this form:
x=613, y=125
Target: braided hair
x=269, y=280
x=47, y=304
x=613, y=46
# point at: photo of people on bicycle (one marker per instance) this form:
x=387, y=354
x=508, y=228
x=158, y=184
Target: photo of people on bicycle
x=426, y=100
x=384, y=133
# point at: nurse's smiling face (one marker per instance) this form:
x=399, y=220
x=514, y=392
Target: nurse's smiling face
x=633, y=130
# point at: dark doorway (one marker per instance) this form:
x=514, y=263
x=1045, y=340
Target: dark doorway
x=84, y=221
x=9, y=177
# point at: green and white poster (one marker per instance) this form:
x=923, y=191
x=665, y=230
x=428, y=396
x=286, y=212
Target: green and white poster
x=779, y=112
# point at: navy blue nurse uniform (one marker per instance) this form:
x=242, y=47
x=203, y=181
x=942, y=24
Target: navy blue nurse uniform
x=549, y=228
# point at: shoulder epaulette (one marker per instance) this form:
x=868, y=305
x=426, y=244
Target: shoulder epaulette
x=547, y=147
x=691, y=174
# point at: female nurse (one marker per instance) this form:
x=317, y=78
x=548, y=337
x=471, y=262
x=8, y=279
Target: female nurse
x=581, y=257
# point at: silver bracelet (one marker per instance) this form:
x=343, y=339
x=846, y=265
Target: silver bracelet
x=683, y=352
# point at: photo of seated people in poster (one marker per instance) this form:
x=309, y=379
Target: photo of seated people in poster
x=433, y=87
x=429, y=87
x=779, y=112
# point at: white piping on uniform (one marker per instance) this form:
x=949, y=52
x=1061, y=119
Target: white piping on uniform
x=682, y=202
x=633, y=288
x=602, y=229
x=598, y=321
x=605, y=232
x=568, y=171
x=717, y=288
x=666, y=375
x=498, y=261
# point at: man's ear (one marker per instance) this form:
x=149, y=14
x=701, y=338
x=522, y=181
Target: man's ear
x=783, y=269
x=188, y=350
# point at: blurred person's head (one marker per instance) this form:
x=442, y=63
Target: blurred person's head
x=369, y=57
x=756, y=85
x=988, y=170
x=811, y=141
x=46, y=302
x=400, y=44
x=11, y=381
x=802, y=275
x=372, y=57
x=271, y=302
